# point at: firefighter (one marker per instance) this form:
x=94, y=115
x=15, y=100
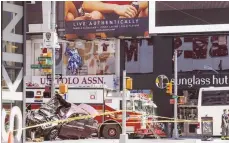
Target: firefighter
x=224, y=124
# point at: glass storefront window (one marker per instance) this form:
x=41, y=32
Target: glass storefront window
x=81, y=58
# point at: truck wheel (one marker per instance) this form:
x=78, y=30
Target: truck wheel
x=111, y=131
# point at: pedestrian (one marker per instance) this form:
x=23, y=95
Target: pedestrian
x=227, y=126
x=224, y=124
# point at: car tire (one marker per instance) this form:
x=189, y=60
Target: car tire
x=53, y=134
x=132, y=136
x=111, y=131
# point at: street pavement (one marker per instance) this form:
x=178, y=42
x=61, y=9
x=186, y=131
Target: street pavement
x=139, y=140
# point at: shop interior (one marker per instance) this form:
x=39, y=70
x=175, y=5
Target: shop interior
x=187, y=110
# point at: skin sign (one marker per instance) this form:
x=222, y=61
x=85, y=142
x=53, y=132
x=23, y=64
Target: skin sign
x=15, y=112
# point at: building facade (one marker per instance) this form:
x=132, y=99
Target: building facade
x=13, y=59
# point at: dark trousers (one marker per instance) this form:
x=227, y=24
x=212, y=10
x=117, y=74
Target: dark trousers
x=225, y=131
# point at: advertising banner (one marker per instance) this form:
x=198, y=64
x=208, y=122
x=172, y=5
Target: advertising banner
x=106, y=18
x=76, y=81
x=138, y=55
x=202, y=53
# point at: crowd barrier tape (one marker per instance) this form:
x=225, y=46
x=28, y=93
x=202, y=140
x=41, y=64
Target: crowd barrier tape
x=171, y=120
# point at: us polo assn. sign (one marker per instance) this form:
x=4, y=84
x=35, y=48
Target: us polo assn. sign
x=75, y=81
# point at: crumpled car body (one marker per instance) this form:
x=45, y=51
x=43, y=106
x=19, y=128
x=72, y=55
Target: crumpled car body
x=84, y=125
x=72, y=128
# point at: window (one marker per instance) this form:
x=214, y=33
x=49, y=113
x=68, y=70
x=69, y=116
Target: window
x=47, y=94
x=29, y=94
x=215, y=98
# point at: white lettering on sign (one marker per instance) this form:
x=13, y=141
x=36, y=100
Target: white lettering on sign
x=190, y=82
x=15, y=112
x=195, y=81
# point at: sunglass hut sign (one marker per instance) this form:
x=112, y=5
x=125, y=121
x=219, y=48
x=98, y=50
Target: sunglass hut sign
x=213, y=80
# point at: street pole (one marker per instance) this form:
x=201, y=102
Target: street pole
x=124, y=136
x=53, y=28
x=124, y=104
x=117, y=63
x=175, y=130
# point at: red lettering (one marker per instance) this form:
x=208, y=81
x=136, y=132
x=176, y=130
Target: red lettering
x=58, y=81
x=219, y=46
x=84, y=81
x=69, y=80
x=100, y=80
x=89, y=80
x=43, y=80
x=177, y=45
x=199, y=46
x=132, y=50
x=75, y=80
x=95, y=80
x=65, y=80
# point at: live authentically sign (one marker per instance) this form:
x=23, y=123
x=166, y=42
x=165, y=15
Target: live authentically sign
x=77, y=81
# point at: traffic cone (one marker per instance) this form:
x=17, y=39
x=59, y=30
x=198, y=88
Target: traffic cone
x=10, y=138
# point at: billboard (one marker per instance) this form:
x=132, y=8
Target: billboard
x=188, y=16
x=106, y=18
x=82, y=57
x=138, y=55
x=202, y=53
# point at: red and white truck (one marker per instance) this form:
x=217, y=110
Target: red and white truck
x=139, y=109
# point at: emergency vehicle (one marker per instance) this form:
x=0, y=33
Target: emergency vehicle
x=139, y=109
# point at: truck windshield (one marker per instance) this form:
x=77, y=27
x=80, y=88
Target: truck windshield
x=139, y=105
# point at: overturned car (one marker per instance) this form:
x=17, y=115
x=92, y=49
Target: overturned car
x=58, y=119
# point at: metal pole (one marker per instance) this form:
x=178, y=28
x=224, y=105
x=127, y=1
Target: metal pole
x=53, y=28
x=124, y=104
x=117, y=62
x=175, y=133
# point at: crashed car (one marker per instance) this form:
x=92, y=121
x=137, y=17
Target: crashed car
x=59, y=119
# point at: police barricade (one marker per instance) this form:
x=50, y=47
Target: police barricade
x=207, y=128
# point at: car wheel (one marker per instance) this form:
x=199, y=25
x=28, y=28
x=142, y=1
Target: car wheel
x=141, y=136
x=132, y=136
x=111, y=131
x=53, y=134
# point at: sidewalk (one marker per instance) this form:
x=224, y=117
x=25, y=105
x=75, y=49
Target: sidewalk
x=139, y=140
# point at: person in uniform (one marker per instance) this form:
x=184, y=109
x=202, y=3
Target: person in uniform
x=224, y=125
